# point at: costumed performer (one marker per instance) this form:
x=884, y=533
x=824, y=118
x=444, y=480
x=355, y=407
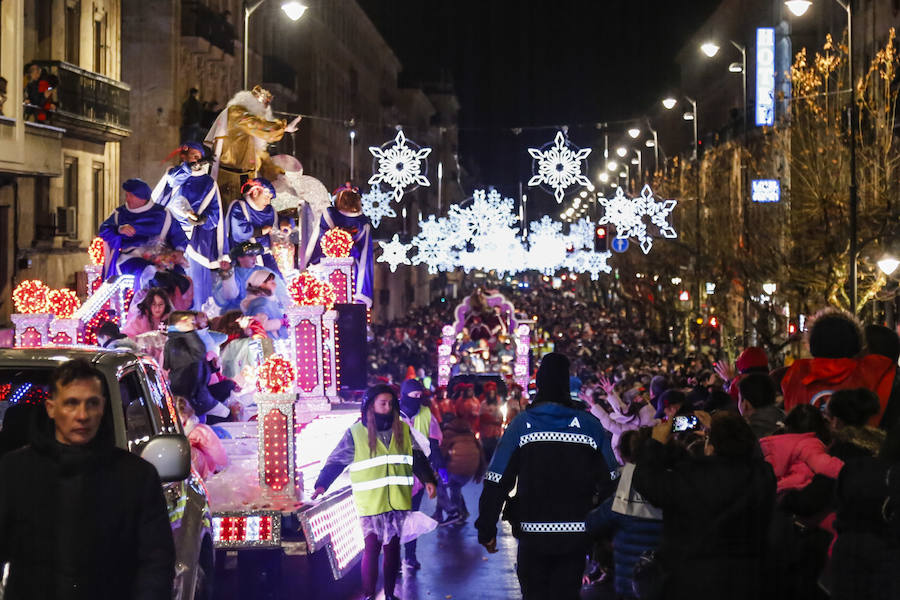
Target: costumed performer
x=239, y=138
x=136, y=236
x=260, y=304
x=382, y=457
x=198, y=207
x=347, y=215
x=252, y=219
x=231, y=286
x=166, y=190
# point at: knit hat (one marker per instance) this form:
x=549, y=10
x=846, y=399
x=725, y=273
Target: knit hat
x=553, y=378
x=138, y=187
x=753, y=357
x=259, y=277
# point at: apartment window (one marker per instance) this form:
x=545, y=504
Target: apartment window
x=43, y=219
x=73, y=31
x=98, y=192
x=44, y=23
x=100, y=45
x=70, y=192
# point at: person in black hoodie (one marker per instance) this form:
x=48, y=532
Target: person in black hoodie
x=716, y=511
x=79, y=517
x=555, y=454
x=189, y=372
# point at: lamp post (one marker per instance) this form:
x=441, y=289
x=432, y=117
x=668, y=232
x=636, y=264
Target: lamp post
x=294, y=10
x=640, y=165
x=799, y=8
x=352, y=140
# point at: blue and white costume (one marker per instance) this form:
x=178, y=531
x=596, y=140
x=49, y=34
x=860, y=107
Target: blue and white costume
x=359, y=226
x=229, y=293
x=207, y=239
x=245, y=224
x=153, y=225
x=169, y=184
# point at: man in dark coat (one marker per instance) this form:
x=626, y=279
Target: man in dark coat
x=554, y=454
x=184, y=357
x=716, y=511
x=79, y=517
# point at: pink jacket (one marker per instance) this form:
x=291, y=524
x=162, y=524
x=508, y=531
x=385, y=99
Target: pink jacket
x=796, y=457
x=207, y=453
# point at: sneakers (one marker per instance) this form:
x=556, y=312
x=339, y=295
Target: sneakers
x=412, y=564
x=449, y=519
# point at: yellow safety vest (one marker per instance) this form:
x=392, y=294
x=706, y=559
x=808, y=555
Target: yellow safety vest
x=422, y=422
x=381, y=482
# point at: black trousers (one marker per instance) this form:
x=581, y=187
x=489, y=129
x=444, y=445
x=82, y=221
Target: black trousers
x=550, y=576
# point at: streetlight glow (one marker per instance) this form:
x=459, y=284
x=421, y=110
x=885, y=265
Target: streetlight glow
x=798, y=7
x=888, y=264
x=603, y=177
x=634, y=161
x=612, y=165
x=735, y=67
x=621, y=151
x=294, y=10
x=769, y=288
x=710, y=49
x=352, y=134
x=688, y=116
x=634, y=132
x=669, y=103
x=650, y=144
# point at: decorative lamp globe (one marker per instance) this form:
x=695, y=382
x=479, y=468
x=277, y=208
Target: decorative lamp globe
x=710, y=49
x=294, y=10
x=621, y=151
x=634, y=132
x=669, y=103
x=798, y=7
x=888, y=264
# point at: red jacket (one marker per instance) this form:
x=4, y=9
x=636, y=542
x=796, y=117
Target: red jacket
x=808, y=380
x=796, y=457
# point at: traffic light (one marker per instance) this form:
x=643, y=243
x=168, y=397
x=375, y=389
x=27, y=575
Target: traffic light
x=713, y=322
x=601, y=240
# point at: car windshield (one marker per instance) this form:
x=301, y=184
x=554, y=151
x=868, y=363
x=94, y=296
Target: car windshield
x=22, y=391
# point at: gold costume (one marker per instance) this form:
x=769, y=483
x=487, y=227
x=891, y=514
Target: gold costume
x=244, y=148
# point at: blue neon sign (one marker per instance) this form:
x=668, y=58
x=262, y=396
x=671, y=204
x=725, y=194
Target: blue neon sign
x=765, y=190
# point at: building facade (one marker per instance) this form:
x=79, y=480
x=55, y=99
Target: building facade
x=64, y=120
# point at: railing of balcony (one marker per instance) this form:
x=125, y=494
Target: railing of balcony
x=198, y=20
x=88, y=95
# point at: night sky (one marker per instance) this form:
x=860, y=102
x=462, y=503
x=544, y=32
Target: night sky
x=534, y=63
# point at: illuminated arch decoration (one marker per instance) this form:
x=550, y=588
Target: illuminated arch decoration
x=400, y=164
x=559, y=165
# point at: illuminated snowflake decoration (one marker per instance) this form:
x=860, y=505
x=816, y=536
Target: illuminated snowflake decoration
x=581, y=234
x=487, y=213
x=547, y=251
x=596, y=263
x=559, y=166
x=632, y=216
x=400, y=164
x=620, y=211
x=377, y=205
x=394, y=253
x=434, y=247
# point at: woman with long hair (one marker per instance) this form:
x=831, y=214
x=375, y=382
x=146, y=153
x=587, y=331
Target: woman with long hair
x=152, y=313
x=383, y=457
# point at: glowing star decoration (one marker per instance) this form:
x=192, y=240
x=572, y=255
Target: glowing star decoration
x=400, y=164
x=96, y=251
x=337, y=243
x=63, y=303
x=30, y=297
x=377, y=205
x=276, y=375
x=307, y=290
x=433, y=246
x=394, y=253
x=559, y=166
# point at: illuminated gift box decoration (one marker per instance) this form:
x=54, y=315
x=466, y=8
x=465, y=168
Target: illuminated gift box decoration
x=275, y=424
x=64, y=332
x=32, y=330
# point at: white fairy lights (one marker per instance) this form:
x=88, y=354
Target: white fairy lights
x=377, y=205
x=559, y=165
x=400, y=164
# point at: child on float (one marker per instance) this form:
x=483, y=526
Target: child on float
x=207, y=453
x=382, y=456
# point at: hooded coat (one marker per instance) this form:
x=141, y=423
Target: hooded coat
x=185, y=359
x=83, y=522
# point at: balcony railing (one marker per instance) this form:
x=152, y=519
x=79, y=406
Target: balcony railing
x=198, y=20
x=89, y=105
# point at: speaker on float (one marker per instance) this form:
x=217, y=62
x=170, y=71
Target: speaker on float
x=352, y=345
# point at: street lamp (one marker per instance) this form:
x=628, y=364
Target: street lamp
x=669, y=103
x=634, y=132
x=352, y=140
x=612, y=165
x=639, y=161
x=603, y=177
x=769, y=288
x=799, y=7
x=292, y=9
x=621, y=151
x=888, y=264
x=710, y=49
